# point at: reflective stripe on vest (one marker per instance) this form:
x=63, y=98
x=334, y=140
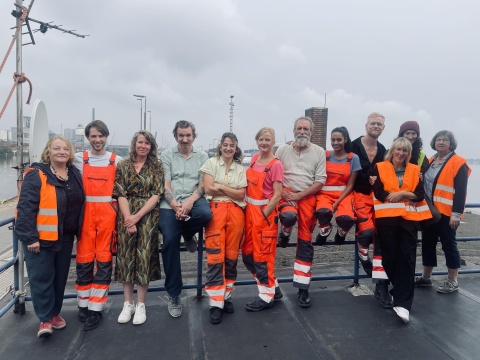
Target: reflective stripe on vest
x=444, y=191
x=98, y=199
x=256, y=202
x=333, y=188
x=406, y=209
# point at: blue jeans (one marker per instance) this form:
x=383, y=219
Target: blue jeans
x=172, y=230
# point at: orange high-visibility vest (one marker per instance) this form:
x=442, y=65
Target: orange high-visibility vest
x=444, y=187
x=407, y=210
x=47, y=217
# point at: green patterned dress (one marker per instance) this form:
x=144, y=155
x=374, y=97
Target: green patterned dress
x=137, y=255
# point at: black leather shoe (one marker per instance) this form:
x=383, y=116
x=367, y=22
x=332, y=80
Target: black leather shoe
x=94, y=319
x=367, y=266
x=383, y=296
x=278, y=294
x=258, y=305
x=215, y=315
x=283, y=240
x=228, y=307
x=321, y=240
x=339, y=240
x=304, y=298
x=83, y=314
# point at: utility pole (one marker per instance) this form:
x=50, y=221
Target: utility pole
x=231, y=113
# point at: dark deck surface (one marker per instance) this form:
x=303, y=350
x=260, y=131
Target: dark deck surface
x=337, y=326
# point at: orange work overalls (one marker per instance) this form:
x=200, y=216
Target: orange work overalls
x=97, y=230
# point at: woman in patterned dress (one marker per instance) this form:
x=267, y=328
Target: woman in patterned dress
x=138, y=186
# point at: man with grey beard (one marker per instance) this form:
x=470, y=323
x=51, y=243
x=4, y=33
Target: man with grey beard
x=304, y=175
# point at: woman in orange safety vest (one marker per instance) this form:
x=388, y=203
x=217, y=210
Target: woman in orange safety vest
x=265, y=179
x=445, y=184
x=399, y=207
x=48, y=217
x=336, y=195
x=224, y=182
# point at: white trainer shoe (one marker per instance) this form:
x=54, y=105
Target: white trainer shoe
x=127, y=312
x=402, y=313
x=140, y=314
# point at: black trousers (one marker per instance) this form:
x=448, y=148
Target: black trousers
x=398, y=238
x=47, y=274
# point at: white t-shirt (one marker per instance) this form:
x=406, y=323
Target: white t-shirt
x=94, y=160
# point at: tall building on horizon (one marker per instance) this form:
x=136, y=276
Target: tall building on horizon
x=319, y=116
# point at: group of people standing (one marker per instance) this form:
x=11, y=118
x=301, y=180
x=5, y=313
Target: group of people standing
x=118, y=206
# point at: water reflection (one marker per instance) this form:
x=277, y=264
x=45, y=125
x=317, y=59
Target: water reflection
x=8, y=176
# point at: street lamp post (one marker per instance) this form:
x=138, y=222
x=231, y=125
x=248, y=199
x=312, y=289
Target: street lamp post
x=213, y=143
x=141, y=111
x=150, y=123
x=144, y=113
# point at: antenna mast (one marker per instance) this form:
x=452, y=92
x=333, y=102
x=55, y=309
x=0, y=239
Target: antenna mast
x=231, y=112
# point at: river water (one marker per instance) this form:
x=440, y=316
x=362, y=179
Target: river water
x=8, y=184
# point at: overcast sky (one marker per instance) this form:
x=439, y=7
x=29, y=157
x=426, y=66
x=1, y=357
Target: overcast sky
x=408, y=59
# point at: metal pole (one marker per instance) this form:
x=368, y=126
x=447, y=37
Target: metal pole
x=20, y=307
x=145, y=115
x=150, y=124
x=141, y=111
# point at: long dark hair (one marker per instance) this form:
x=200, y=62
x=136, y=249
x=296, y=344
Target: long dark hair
x=343, y=130
x=237, y=157
x=416, y=148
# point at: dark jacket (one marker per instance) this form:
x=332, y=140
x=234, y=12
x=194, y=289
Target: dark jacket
x=28, y=203
x=362, y=182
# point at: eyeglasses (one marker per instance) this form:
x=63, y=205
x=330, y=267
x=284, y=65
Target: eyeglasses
x=444, y=140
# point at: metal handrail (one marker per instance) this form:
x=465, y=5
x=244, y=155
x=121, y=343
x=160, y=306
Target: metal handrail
x=20, y=296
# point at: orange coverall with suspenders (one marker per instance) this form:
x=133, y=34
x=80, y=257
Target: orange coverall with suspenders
x=260, y=244
x=337, y=179
x=96, y=236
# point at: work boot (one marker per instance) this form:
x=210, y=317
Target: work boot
x=278, y=294
x=324, y=231
x=304, y=298
x=339, y=240
x=93, y=320
x=367, y=266
x=83, y=313
x=215, y=315
x=383, y=296
x=228, y=307
x=283, y=240
x=258, y=305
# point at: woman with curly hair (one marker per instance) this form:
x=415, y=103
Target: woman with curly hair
x=138, y=187
x=224, y=182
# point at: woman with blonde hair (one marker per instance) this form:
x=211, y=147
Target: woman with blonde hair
x=48, y=217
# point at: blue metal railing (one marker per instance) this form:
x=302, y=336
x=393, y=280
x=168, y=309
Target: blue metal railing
x=20, y=297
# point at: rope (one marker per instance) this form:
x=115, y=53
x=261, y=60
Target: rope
x=17, y=78
x=19, y=28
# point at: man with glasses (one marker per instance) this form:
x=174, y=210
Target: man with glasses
x=183, y=209
x=370, y=152
x=304, y=175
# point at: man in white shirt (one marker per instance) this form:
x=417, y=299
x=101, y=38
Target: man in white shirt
x=304, y=175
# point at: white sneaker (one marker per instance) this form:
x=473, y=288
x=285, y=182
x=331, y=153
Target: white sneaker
x=402, y=313
x=140, y=314
x=127, y=312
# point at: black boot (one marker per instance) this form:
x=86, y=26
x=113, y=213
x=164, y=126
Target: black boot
x=83, y=314
x=215, y=315
x=383, y=296
x=93, y=320
x=228, y=307
x=283, y=240
x=278, y=294
x=367, y=266
x=339, y=240
x=321, y=240
x=258, y=305
x=304, y=298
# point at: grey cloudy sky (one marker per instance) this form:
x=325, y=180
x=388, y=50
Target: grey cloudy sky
x=408, y=59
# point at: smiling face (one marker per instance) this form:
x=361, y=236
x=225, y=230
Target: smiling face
x=228, y=149
x=97, y=140
x=59, y=152
x=302, y=133
x=375, y=126
x=410, y=135
x=337, y=141
x=399, y=155
x=442, y=145
x=265, y=142
x=142, y=147
x=185, y=138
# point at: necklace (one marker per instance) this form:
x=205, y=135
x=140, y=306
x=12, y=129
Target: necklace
x=58, y=176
